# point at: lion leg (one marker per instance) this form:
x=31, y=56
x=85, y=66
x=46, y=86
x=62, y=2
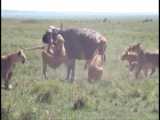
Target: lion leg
x=89, y=75
x=138, y=70
x=100, y=75
x=132, y=66
x=89, y=79
x=7, y=79
x=6, y=84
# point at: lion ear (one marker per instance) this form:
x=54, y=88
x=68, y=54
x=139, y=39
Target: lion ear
x=139, y=44
x=126, y=49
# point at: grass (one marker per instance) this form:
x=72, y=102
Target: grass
x=117, y=96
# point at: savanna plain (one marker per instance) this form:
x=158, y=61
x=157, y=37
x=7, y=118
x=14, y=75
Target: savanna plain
x=118, y=96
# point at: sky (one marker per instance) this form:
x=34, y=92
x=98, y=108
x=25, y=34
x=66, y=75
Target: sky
x=124, y=6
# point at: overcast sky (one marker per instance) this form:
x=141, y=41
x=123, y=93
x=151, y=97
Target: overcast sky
x=126, y=6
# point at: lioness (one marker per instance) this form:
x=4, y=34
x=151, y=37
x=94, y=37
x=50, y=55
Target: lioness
x=95, y=68
x=7, y=63
x=144, y=59
x=54, y=56
x=132, y=58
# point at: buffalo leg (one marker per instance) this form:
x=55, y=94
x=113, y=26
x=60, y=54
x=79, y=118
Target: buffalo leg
x=44, y=70
x=153, y=70
x=68, y=64
x=73, y=71
x=68, y=72
x=70, y=69
x=145, y=72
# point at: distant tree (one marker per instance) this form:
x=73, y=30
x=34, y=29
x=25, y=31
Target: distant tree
x=105, y=20
x=147, y=20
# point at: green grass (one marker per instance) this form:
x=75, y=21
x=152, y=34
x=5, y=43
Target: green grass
x=118, y=96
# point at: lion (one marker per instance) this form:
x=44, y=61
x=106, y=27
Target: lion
x=95, y=68
x=54, y=56
x=132, y=58
x=145, y=60
x=7, y=64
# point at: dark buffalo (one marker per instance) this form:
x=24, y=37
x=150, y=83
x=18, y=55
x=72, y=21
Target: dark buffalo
x=79, y=44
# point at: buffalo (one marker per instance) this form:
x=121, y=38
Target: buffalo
x=80, y=43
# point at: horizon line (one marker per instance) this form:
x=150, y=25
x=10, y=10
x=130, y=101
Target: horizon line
x=122, y=12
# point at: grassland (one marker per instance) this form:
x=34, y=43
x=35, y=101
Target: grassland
x=118, y=96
